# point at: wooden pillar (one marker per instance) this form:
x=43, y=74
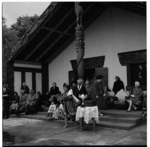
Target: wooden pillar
x=79, y=40
x=128, y=75
x=33, y=81
x=10, y=76
x=44, y=78
x=22, y=77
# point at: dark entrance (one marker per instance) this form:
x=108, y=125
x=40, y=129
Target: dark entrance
x=89, y=74
x=91, y=66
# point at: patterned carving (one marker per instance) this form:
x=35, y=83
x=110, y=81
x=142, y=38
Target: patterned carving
x=132, y=57
x=89, y=63
x=79, y=13
x=132, y=60
x=79, y=40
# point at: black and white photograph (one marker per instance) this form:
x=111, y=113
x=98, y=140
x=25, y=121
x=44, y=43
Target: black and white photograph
x=74, y=73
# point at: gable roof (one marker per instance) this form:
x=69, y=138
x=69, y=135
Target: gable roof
x=55, y=28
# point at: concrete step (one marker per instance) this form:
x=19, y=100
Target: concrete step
x=102, y=123
x=122, y=113
x=113, y=118
x=133, y=119
x=119, y=119
x=42, y=113
x=117, y=125
x=38, y=117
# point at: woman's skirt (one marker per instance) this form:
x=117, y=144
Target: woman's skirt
x=70, y=107
x=135, y=100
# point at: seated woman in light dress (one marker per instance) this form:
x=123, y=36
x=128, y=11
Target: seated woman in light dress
x=135, y=97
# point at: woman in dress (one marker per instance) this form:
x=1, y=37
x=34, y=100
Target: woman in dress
x=135, y=97
x=68, y=103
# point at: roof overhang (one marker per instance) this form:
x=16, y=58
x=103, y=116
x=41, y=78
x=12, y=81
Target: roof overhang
x=55, y=29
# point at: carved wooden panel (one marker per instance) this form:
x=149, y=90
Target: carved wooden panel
x=90, y=63
x=136, y=66
x=132, y=57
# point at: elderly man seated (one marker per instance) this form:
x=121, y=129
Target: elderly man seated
x=31, y=103
x=23, y=101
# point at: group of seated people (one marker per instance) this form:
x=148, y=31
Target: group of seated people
x=67, y=103
x=28, y=103
x=64, y=105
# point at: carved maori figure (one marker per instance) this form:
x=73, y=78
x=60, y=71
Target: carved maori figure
x=80, y=50
x=79, y=12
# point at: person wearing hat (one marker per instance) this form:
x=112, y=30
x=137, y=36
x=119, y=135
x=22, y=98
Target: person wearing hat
x=31, y=103
x=98, y=90
x=23, y=101
x=135, y=97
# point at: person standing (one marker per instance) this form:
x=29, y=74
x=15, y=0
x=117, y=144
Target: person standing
x=98, y=90
x=68, y=104
x=25, y=88
x=89, y=90
x=79, y=90
x=6, y=97
x=118, y=85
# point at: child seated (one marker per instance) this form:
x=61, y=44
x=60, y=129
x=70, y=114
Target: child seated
x=59, y=113
x=51, y=109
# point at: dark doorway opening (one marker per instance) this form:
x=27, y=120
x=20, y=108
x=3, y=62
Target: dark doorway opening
x=89, y=74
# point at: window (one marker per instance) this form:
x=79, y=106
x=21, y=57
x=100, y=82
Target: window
x=138, y=72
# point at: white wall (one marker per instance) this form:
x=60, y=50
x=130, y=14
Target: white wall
x=38, y=82
x=17, y=82
x=113, y=32
x=28, y=79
